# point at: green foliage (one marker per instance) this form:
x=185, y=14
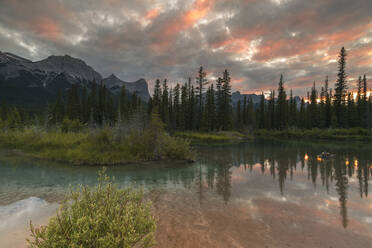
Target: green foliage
x=104, y=216
x=69, y=125
x=98, y=146
x=155, y=143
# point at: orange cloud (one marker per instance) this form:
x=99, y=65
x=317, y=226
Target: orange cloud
x=199, y=10
x=46, y=27
x=304, y=45
x=151, y=14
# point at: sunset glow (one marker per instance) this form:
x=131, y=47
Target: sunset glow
x=256, y=40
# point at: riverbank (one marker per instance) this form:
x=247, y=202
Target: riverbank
x=97, y=146
x=213, y=138
x=352, y=134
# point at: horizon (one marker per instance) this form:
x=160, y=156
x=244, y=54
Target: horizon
x=255, y=40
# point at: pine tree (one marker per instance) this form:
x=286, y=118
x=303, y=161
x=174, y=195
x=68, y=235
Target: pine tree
x=360, y=100
x=292, y=110
x=262, y=112
x=340, y=88
x=123, y=105
x=176, y=107
x=328, y=105
x=157, y=96
x=164, y=112
x=313, y=107
x=210, y=109
x=302, y=115
x=191, y=109
x=271, y=111
x=184, y=107
x=251, y=119
x=219, y=99
x=238, y=115
x=226, y=101
x=201, y=82
x=244, y=111
x=281, y=105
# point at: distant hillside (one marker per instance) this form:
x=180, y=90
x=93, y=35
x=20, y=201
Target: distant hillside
x=32, y=84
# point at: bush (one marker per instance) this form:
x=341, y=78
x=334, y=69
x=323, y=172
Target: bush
x=71, y=125
x=103, y=216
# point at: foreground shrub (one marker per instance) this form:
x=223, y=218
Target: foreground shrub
x=100, y=217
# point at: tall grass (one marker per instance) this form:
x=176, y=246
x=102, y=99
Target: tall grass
x=212, y=137
x=98, y=146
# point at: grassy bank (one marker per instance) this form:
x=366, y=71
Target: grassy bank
x=352, y=134
x=98, y=146
x=212, y=138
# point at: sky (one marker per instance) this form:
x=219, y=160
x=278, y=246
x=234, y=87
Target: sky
x=256, y=40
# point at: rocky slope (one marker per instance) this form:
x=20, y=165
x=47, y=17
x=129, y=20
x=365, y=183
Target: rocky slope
x=27, y=83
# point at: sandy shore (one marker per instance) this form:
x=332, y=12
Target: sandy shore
x=185, y=220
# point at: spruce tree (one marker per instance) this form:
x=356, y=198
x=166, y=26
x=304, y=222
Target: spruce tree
x=201, y=82
x=219, y=99
x=281, y=105
x=164, y=112
x=184, y=107
x=262, y=112
x=340, y=88
x=176, y=107
x=226, y=101
x=157, y=96
x=313, y=107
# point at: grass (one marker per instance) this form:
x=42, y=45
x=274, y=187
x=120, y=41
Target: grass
x=98, y=146
x=352, y=134
x=210, y=138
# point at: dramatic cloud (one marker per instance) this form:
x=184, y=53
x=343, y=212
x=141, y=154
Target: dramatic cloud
x=256, y=40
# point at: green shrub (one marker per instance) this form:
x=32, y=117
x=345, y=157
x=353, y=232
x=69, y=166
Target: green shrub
x=71, y=125
x=101, y=217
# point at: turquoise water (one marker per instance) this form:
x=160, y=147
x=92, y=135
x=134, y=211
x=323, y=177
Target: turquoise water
x=331, y=191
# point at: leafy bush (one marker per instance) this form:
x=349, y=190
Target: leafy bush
x=71, y=125
x=104, y=216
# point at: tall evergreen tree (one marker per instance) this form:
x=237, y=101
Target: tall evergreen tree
x=226, y=101
x=313, y=107
x=201, y=82
x=281, y=105
x=262, y=112
x=340, y=88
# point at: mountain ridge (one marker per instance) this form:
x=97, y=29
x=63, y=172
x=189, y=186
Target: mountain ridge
x=24, y=82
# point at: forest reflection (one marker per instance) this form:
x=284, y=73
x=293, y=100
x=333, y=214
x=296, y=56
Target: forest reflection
x=282, y=163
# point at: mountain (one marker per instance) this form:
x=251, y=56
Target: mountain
x=236, y=96
x=139, y=87
x=32, y=84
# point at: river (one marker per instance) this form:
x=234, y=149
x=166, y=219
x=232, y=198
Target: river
x=256, y=194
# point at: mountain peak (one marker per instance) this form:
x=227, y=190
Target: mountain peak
x=113, y=76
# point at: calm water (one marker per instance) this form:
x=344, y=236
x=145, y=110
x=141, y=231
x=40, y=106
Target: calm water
x=273, y=184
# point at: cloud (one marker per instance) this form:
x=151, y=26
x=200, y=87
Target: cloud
x=256, y=40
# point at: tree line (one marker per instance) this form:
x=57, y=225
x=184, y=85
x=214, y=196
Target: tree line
x=206, y=106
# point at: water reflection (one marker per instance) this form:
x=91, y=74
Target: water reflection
x=283, y=161
x=239, y=171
